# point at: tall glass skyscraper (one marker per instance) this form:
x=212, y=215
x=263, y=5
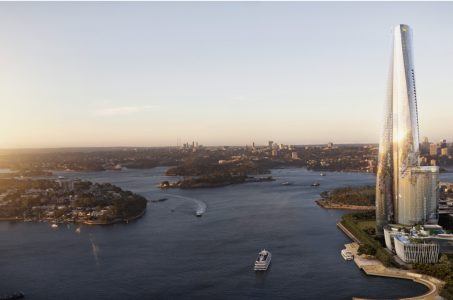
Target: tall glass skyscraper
x=406, y=193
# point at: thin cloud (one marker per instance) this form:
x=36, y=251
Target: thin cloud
x=240, y=98
x=123, y=110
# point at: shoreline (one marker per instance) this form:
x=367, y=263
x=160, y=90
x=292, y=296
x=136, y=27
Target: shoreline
x=207, y=185
x=324, y=205
x=373, y=267
x=87, y=222
x=118, y=220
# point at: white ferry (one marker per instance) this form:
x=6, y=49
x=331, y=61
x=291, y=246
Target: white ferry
x=263, y=260
x=347, y=255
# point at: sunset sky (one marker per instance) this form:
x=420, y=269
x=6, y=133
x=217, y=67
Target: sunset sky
x=146, y=74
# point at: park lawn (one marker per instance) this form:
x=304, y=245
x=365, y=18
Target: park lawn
x=366, y=224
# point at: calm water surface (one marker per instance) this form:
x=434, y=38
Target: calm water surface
x=170, y=253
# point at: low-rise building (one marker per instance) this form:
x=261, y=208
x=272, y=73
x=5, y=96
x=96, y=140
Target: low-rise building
x=416, y=251
x=418, y=244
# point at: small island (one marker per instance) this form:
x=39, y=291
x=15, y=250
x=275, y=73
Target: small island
x=201, y=173
x=213, y=180
x=350, y=198
x=67, y=201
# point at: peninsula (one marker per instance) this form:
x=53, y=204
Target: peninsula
x=349, y=198
x=67, y=201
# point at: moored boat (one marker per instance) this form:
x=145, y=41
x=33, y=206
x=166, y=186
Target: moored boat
x=347, y=255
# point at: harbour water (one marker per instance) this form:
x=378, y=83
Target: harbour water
x=170, y=253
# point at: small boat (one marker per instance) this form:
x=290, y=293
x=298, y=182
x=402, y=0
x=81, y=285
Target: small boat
x=286, y=183
x=77, y=230
x=164, y=185
x=263, y=260
x=54, y=225
x=322, y=174
x=315, y=184
x=199, y=214
x=61, y=177
x=159, y=200
x=347, y=255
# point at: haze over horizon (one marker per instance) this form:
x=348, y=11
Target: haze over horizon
x=146, y=74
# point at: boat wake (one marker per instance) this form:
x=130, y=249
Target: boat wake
x=95, y=250
x=200, y=205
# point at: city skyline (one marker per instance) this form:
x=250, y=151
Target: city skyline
x=156, y=72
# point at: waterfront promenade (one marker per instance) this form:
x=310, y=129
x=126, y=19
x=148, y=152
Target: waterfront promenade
x=372, y=266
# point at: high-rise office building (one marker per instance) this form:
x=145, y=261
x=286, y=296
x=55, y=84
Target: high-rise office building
x=406, y=193
x=270, y=144
x=433, y=149
x=443, y=148
x=425, y=146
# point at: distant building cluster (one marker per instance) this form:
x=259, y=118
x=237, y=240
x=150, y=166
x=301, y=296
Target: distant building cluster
x=435, y=154
x=274, y=150
x=275, y=146
x=193, y=146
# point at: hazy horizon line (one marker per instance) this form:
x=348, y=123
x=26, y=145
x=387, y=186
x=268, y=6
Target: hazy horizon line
x=174, y=146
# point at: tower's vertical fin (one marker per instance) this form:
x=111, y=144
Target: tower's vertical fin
x=384, y=178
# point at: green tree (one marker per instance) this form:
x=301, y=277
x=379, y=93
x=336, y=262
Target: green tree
x=366, y=249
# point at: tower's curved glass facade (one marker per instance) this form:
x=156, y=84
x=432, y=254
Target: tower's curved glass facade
x=405, y=192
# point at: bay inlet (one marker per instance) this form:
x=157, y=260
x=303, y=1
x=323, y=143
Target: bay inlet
x=170, y=253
